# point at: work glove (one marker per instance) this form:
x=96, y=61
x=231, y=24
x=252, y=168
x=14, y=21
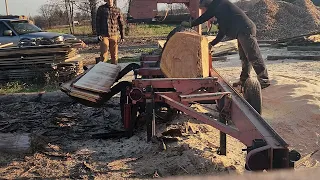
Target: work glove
x=100, y=38
x=211, y=45
x=186, y=24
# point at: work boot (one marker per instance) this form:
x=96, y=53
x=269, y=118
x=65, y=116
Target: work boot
x=238, y=83
x=264, y=83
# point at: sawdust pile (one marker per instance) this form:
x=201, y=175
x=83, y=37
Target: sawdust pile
x=278, y=19
x=292, y=103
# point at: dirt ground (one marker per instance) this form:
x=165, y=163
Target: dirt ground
x=65, y=148
x=131, y=47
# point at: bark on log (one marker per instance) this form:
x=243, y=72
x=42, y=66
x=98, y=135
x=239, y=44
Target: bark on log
x=15, y=143
x=186, y=55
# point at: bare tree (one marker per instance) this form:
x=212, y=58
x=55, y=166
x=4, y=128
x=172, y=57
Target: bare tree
x=93, y=11
x=45, y=11
x=88, y=8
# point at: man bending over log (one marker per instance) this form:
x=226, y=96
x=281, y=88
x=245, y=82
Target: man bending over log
x=235, y=24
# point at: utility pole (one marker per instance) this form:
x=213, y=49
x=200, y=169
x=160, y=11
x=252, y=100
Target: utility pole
x=7, y=8
x=72, y=16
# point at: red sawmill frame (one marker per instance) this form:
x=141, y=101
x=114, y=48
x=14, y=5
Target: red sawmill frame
x=266, y=149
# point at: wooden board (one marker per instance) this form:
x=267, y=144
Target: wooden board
x=303, y=48
x=68, y=88
x=5, y=45
x=186, y=55
x=274, y=58
x=100, y=78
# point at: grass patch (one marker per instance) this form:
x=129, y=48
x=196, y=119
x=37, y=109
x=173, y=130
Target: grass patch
x=78, y=30
x=150, y=30
x=214, y=29
x=129, y=59
x=19, y=87
x=144, y=50
x=135, y=30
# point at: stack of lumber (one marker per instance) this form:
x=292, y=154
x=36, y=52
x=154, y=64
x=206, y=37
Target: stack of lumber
x=311, y=39
x=303, y=47
x=23, y=63
x=93, y=83
x=225, y=48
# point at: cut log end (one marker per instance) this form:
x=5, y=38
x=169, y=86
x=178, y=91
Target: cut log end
x=186, y=55
x=20, y=143
x=15, y=143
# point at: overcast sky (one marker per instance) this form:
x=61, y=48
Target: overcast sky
x=22, y=7
x=25, y=7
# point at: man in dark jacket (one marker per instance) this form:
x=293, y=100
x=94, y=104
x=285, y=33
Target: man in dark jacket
x=109, y=22
x=235, y=24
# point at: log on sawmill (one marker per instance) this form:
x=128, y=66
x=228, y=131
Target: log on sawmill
x=186, y=55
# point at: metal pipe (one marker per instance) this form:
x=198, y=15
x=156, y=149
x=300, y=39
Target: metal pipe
x=7, y=8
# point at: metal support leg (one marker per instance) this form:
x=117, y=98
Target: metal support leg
x=223, y=139
x=127, y=118
x=151, y=120
x=133, y=121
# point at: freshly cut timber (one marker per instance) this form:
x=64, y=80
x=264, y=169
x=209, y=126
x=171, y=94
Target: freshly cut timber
x=186, y=55
x=96, y=81
x=100, y=78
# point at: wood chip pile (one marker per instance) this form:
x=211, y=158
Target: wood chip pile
x=35, y=63
x=278, y=19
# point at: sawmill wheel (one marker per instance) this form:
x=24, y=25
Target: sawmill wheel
x=252, y=94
